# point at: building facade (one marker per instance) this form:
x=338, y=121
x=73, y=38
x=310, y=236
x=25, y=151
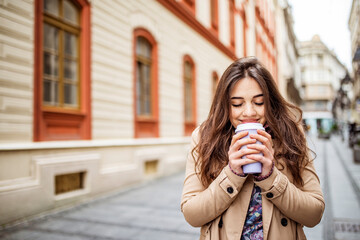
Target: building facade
x=321, y=74
x=289, y=76
x=354, y=27
x=96, y=95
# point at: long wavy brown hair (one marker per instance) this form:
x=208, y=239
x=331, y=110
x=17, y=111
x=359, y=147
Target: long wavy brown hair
x=283, y=119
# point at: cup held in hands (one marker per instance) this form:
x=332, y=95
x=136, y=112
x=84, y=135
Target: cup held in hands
x=252, y=129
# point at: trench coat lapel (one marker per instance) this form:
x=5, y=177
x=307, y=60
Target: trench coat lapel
x=267, y=211
x=239, y=207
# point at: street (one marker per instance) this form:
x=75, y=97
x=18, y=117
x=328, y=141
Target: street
x=340, y=181
x=152, y=210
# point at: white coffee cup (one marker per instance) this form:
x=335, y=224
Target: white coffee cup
x=252, y=129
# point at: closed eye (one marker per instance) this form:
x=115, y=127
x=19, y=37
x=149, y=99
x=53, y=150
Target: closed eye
x=259, y=104
x=237, y=105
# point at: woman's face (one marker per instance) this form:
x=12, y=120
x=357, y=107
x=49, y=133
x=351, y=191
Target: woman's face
x=247, y=103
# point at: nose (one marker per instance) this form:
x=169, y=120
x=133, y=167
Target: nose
x=249, y=110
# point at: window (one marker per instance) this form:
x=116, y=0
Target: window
x=61, y=33
x=145, y=84
x=214, y=17
x=143, y=77
x=62, y=70
x=189, y=95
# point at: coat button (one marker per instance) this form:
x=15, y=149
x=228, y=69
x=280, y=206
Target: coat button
x=284, y=222
x=230, y=190
x=269, y=195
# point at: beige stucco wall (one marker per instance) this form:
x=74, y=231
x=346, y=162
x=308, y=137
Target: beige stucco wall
x=29, y=173
x=113, y=158
x=112, y=66
x=16, y=70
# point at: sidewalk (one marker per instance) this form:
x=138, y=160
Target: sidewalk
x=149, y=211
x=152, y=210
x=344, y=181
x=340, y=181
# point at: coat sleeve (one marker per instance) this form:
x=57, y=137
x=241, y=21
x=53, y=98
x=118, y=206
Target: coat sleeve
x=201, y=205
x=304, y=205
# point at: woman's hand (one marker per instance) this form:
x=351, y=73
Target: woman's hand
x=266, y=149
x=235, y=153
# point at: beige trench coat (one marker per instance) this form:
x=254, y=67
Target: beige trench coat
x=220, y=210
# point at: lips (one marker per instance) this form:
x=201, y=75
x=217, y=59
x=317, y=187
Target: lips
x=249, y=121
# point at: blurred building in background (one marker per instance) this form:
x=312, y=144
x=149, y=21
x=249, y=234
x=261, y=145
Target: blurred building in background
x=289, y=75
x=321, y=73
x=96, y=95
x=354, y=27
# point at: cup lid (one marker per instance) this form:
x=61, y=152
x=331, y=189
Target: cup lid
x=247, y=126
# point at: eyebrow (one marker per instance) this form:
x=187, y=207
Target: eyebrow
x=256, y=96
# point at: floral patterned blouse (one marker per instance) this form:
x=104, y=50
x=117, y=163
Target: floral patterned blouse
x=253, y=227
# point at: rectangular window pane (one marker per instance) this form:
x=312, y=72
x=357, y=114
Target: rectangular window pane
x=70, y=44
x=70, y=12
x=52, y=7
x=188, y=101
x=51, y=65
x=50, y=83
x=70, y=92
x=46, y=91
x=143, y=90
x=50, y=92
x=51, y=40
x=138, y=89
x=188, y=70
x=147, y=90
x=55, y=93
x=70, y=70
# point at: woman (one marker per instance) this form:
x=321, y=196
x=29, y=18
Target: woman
x=218, y=196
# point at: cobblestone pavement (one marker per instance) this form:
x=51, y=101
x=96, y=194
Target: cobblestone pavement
x=152, y=210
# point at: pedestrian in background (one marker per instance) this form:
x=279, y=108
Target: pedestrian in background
x=228, y=204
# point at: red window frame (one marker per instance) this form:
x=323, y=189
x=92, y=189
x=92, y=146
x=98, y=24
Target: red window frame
x=147, y=126
x=189, y=126
x=57, y=123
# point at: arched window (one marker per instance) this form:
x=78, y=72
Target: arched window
x=145, y=84
x=143, y=77
x=62, y=70
x=189, y=95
